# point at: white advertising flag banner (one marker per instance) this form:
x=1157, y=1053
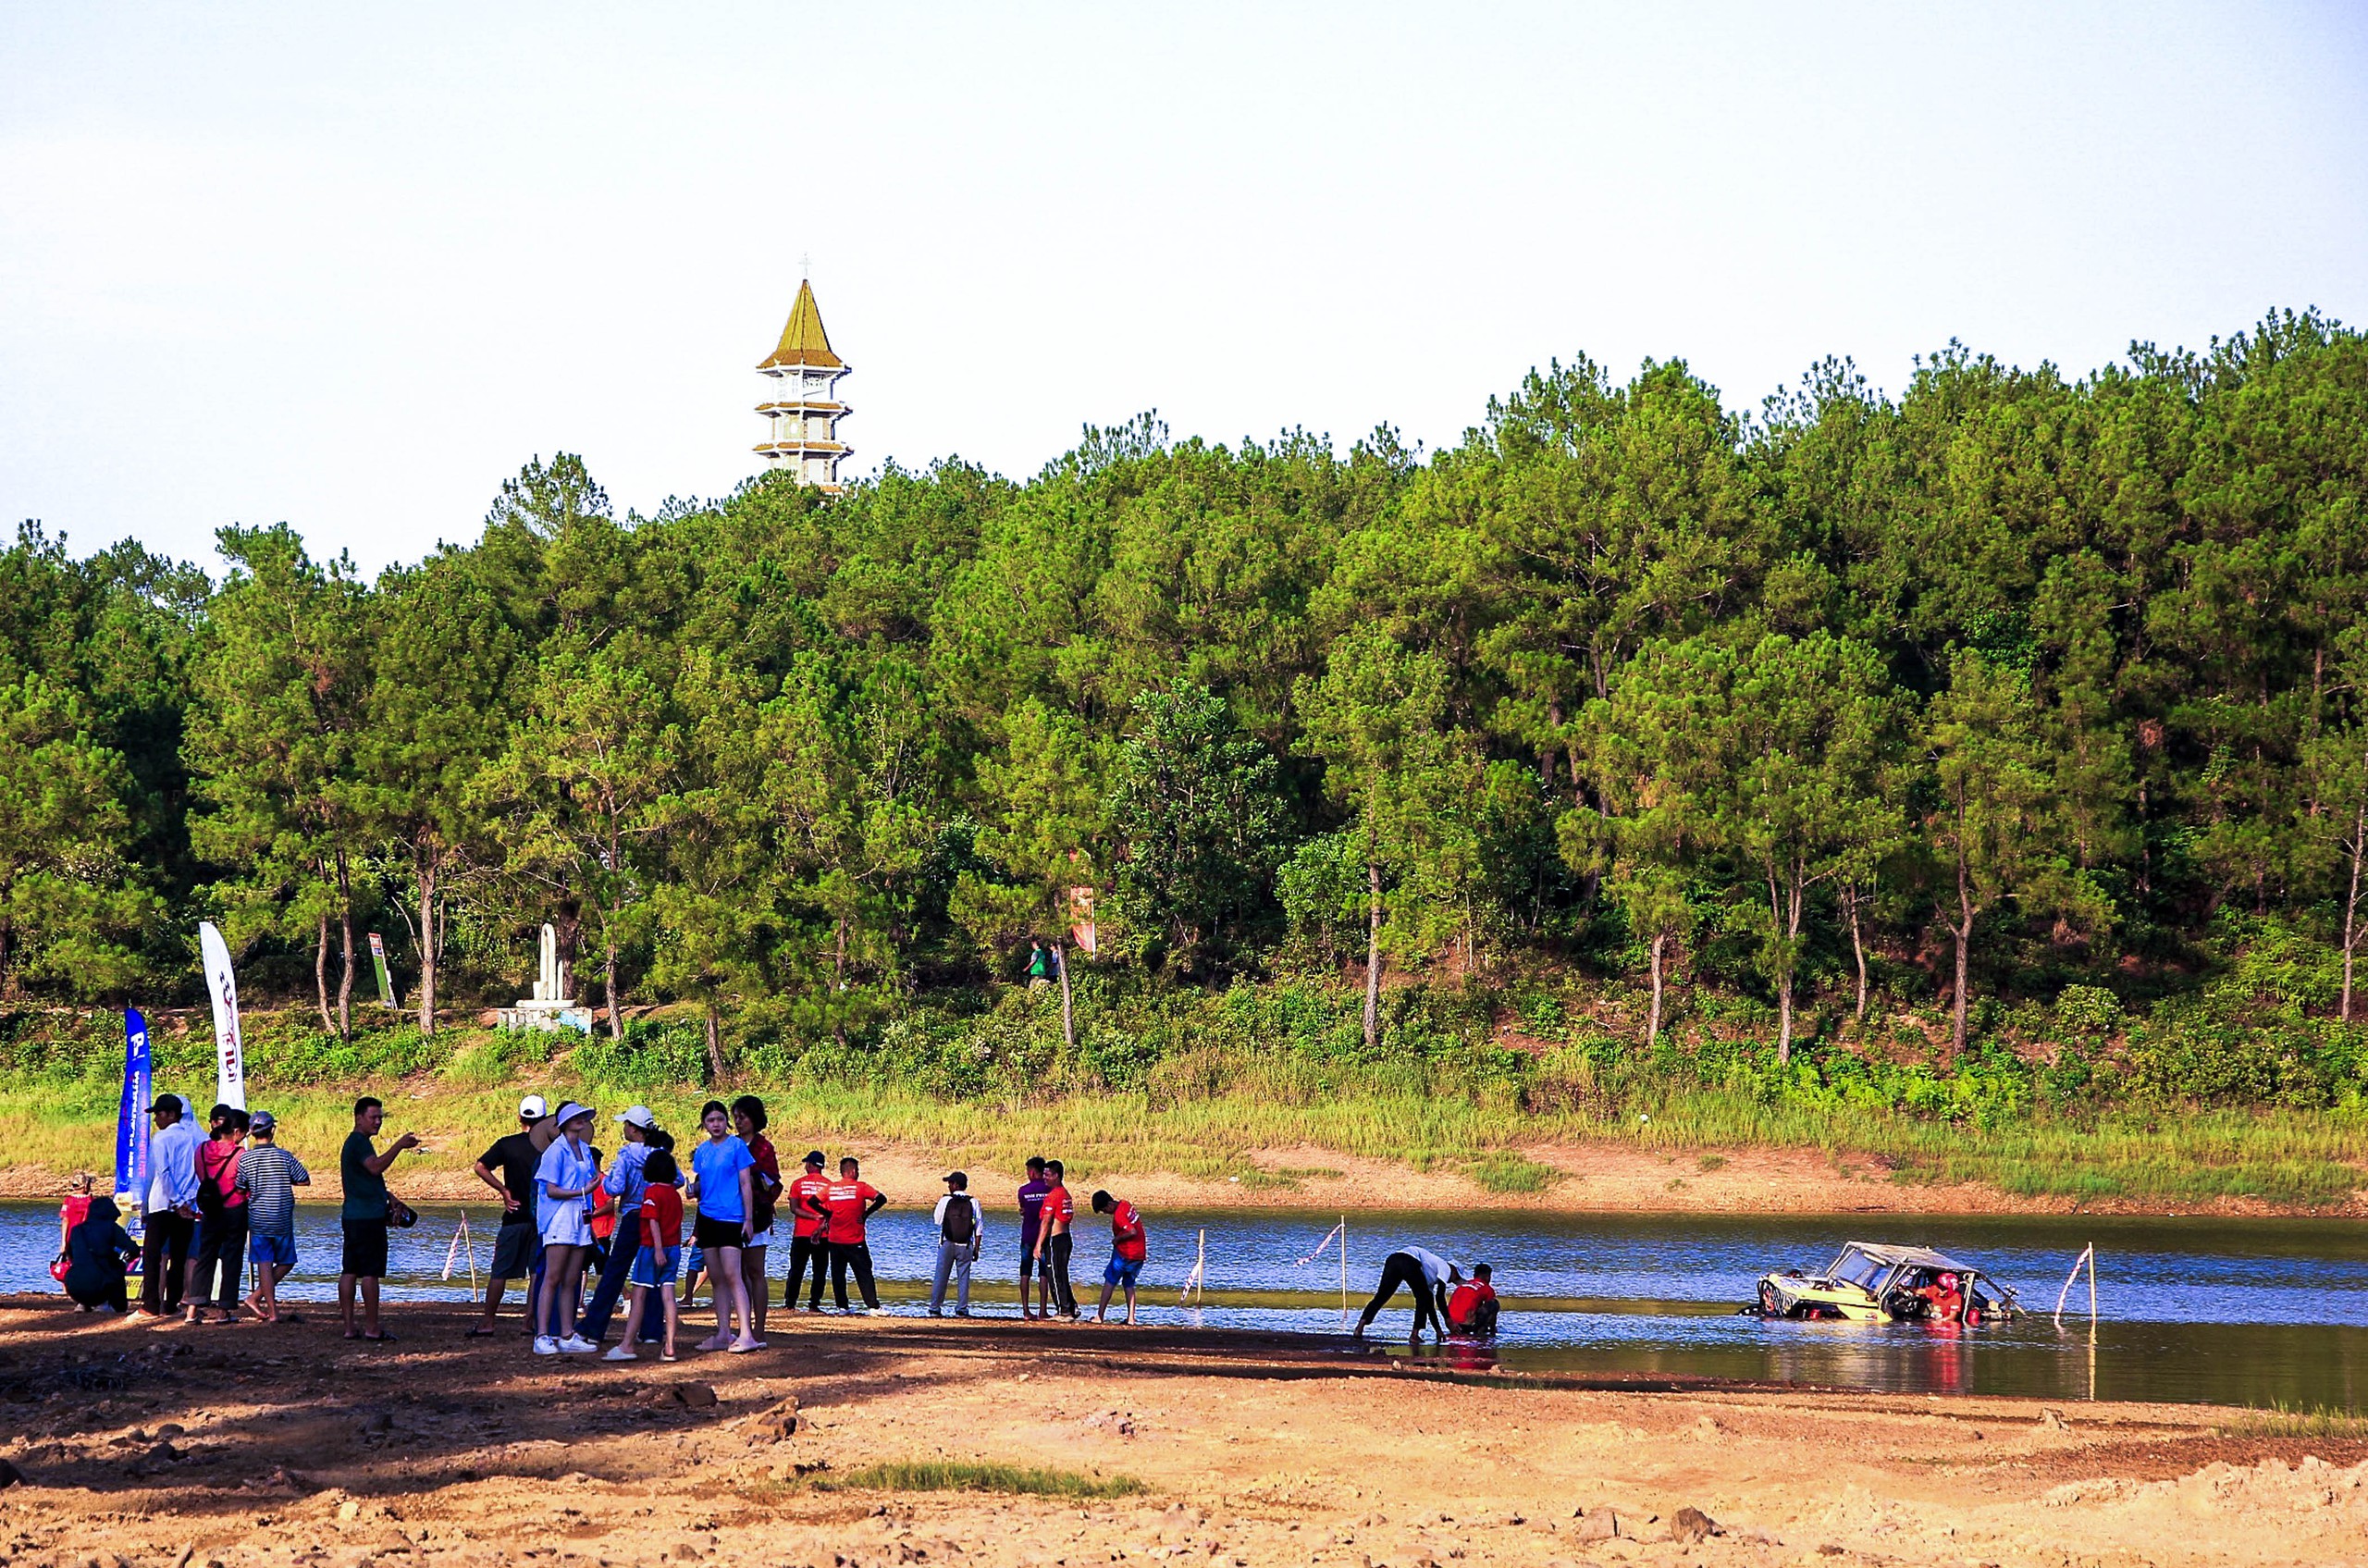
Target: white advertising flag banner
x=230, y=1069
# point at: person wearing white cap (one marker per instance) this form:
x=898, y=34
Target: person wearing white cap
x=623, y=1182
x=567, y=1177
x=509, y=1169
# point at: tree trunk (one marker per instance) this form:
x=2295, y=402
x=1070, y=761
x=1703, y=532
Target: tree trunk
x=1373, y=958
x=426, y=863
x=2351, y=902
x=1857, y=948
x=715, y=1068
x=1068, y=1026
x=345, y=925
x=608, y=984
x=321, y=976
x=1963, y=929
x=1783, y=977
x=1653, y=1019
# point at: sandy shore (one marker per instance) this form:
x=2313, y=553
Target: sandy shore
x=1601, y=1178
x=288, y=1445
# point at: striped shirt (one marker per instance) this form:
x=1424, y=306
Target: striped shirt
x=269, y=1174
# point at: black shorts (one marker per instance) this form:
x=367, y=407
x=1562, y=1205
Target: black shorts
x=709, y=1234
x=1029, y=1264
x=513, y=1250
x=365, y=1248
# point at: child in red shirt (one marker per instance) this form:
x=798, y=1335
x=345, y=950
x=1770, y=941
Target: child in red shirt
x=1472, y=1309
x=659, y=1230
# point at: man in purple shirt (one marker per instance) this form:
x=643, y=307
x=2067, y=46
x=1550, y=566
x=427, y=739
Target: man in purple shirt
x=1031, y=1213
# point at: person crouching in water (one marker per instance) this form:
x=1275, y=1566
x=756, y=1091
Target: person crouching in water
x=1472, y=1311
x=657, y=1226
x=1130, y=1244
x=1427, y=1275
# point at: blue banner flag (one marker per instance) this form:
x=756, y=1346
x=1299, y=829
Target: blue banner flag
x=131, y=1119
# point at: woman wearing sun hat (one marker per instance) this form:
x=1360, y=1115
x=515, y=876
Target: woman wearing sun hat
x=569, y=1174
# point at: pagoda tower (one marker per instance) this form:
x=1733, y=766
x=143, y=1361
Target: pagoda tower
x=803, y=411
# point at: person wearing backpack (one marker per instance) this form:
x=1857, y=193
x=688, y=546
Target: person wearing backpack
x=959, y=1228
x=221, y=1218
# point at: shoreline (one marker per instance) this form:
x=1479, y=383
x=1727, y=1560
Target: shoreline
x=1601, y=1176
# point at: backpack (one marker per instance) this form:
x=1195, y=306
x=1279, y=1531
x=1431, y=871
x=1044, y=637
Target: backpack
x=961, y=1220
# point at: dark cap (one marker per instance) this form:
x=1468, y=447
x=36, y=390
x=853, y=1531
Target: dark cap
x=955, y=1179
x=814, y=1156
x=166, y=1102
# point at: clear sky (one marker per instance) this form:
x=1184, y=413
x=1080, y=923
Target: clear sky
x=349, y=267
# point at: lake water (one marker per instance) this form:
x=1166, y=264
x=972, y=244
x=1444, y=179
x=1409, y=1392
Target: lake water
x=2258, y=1312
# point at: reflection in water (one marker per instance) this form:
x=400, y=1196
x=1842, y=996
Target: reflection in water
x=2252, y=1312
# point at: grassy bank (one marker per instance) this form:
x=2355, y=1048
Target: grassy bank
x=1211, y=1112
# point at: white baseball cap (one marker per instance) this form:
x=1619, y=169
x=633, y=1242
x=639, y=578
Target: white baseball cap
x=637, y=1116
x=532, y=1108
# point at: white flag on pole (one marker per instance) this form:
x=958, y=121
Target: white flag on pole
x=222, y=990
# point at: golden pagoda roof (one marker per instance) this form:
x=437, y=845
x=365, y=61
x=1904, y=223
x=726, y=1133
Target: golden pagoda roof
x=802, y=342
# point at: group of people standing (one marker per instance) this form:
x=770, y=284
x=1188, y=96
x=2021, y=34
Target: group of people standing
x=222, y=1200
x=215, y=1206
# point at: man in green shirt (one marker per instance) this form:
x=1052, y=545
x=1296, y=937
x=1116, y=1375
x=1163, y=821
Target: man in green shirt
x=363, y=1171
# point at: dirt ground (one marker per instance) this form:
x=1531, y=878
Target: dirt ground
x=154, y=1448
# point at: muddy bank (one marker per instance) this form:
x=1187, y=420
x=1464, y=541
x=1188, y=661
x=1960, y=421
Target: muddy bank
x=255, y=1443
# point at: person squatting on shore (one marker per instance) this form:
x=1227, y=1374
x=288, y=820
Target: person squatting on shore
x=97, y=1252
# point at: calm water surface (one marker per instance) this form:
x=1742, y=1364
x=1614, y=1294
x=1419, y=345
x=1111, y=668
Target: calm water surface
x=2259, y=1312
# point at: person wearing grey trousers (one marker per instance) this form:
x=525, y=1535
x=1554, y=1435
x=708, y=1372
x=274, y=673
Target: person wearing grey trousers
x=959, y=1227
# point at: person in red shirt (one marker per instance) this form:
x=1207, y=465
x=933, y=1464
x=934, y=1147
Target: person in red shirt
x=846, y=1203
x=657, y=1230
x=807, y=1241
x=1472, y=1311
x=221, y=1261
x=71, y=1212
x=1130, y=1244
x=748, y=1120
x=1052, y=1241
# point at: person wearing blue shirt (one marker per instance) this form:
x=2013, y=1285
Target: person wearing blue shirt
x=625, y=1182
x=725, y=1182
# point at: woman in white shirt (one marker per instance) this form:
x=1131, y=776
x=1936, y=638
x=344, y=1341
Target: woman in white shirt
x=569, y=1175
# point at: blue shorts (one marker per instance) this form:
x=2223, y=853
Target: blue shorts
x=652, y=1269
x=265, y=1247
x=1122, y=1271
x=697, y=1262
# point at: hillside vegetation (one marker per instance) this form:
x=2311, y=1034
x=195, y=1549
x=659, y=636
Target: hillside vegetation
x=1986, y=756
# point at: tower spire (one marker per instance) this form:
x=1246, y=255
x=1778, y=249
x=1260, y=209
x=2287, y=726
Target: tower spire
x=802, y=410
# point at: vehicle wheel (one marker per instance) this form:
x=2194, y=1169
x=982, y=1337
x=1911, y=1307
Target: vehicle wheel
x=1770, y=1303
